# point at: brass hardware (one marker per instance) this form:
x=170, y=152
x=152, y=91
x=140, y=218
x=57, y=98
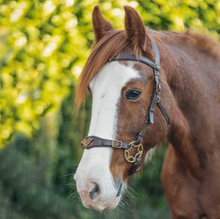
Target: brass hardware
x=85, y=142
x=112, y=57
x=158, y=67
x=116, y=146
x=158, y=87
x=129, y=158
x=158, y=99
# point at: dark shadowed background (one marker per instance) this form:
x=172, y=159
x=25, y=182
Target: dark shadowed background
x=43, y=48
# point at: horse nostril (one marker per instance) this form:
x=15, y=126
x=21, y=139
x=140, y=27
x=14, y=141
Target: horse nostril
x=94, y=191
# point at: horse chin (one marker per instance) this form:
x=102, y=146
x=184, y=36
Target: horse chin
x=113, y=204
x=110, y=207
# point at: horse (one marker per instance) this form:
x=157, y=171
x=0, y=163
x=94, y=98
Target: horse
x=122, y=91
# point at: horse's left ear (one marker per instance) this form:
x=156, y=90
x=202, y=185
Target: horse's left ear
x=136, y=31
x=100, y=25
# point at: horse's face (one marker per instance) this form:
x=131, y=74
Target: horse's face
x=121, y=94
x=110, y=107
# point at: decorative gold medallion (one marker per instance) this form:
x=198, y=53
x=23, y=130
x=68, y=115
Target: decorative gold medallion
x=85, y=142
x=129, y=158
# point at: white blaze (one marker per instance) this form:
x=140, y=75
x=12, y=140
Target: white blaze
x=106, y=90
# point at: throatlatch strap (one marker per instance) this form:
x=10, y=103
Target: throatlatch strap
x=159, y=103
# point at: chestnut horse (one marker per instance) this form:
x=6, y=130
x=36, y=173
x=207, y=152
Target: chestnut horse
x=121, y=92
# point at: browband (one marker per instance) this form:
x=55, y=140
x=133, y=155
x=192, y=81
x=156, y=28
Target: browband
x=94, y=141
x=132, y=57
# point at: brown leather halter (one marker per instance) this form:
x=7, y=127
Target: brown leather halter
x=94, y=141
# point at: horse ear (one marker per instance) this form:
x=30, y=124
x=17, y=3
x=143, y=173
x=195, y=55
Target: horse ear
x=100, y=25
x=136, y=31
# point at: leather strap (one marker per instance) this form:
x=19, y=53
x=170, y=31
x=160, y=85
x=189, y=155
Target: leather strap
x=136, y=166
x=131, y=57
x=159, y=103
x=156, y=52
x=94, y=141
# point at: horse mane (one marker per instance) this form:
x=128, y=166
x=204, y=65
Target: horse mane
x=205, y=43
x=102, y=51
x=115, y=41
x=189, y=38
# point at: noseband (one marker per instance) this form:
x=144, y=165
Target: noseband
x=94, y=141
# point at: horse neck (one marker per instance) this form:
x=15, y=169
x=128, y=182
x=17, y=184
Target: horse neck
x=191, y=130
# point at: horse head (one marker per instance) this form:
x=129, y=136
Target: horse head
x=125, y=92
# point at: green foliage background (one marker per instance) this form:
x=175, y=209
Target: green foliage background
x=44, y=45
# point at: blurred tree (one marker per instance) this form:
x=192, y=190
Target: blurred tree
x=44, y=45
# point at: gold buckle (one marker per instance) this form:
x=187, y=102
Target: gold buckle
x=158, y=87
x=113, y=57
x=158, y=99
x=129, y=158
x=158, y=67
x=116, y=146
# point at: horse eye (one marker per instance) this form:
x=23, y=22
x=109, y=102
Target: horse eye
x=132, y=94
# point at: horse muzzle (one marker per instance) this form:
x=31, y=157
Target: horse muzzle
x=98, y=197
x=94, y=180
